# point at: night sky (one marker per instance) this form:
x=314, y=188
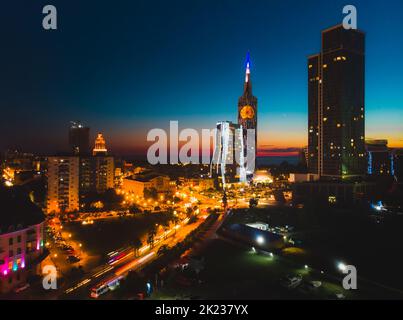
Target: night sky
x=124, y=67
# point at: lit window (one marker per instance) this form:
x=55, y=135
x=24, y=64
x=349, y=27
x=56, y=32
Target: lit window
x=310, y=66
x=324, y=66
x=332, y=199
x=324, y=119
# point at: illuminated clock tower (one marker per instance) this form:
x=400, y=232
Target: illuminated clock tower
x=247, y=111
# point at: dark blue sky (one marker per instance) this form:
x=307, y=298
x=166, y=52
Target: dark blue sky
x=123, y=67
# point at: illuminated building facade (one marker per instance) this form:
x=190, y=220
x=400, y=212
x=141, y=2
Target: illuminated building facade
x=21, y=240
x=380, y=161
x=247, y=118
x=100, y=146
x=336, y=108
x=63, y=184
x=228, y=163
x=137, y=184
x=79, y=138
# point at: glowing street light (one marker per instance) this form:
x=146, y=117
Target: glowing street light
x=260, y=240
x=341, y=266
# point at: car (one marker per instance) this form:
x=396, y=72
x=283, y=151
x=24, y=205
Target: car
x=315, y=284
x=340, y=296
x=21, y=287
x=73, y=259
x=291, y=281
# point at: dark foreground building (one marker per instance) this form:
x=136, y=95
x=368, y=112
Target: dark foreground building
x=79, y=139
x=260, y=239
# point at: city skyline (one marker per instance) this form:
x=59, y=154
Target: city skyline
x=191, y=74
x=147, y=146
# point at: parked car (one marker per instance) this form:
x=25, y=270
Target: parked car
x=73, y=259
x=291, y=281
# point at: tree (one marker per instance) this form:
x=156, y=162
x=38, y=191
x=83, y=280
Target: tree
x=253, y=203
x=151, y=193
x=189, y=212
x=163, y=250
x=150, y=238
x=134, y=209
x=137, y=245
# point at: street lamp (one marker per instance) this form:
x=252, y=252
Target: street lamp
x=341, y=266
x=260, y=240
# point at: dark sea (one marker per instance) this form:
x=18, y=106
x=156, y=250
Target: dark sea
x=269, y=161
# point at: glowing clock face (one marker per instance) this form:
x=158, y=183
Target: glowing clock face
x=247, y=112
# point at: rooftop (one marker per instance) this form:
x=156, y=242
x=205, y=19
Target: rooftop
x=17, y=210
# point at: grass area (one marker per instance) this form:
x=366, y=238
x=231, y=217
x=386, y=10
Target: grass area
x=233, y=272
x=106, y=235
x=342, y=235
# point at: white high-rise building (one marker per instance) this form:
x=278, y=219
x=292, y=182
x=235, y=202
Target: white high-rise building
x=228, y=163
x=63, y=184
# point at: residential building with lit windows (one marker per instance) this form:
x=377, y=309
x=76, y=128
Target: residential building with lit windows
x=63, y=184
x=21, y=239
x=97, y=174
x=336, y=106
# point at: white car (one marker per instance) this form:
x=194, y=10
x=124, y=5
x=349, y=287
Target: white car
x=316, y=284
x=292, y=281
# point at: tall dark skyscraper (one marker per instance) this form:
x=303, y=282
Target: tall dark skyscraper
x=247, y=109
x=336, y=108
x=79, y=139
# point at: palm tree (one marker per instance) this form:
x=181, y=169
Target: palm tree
x=150, y=238
x=137, y=245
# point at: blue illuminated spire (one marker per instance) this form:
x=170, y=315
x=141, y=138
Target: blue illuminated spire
x=248, y=83
x=247, y=76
